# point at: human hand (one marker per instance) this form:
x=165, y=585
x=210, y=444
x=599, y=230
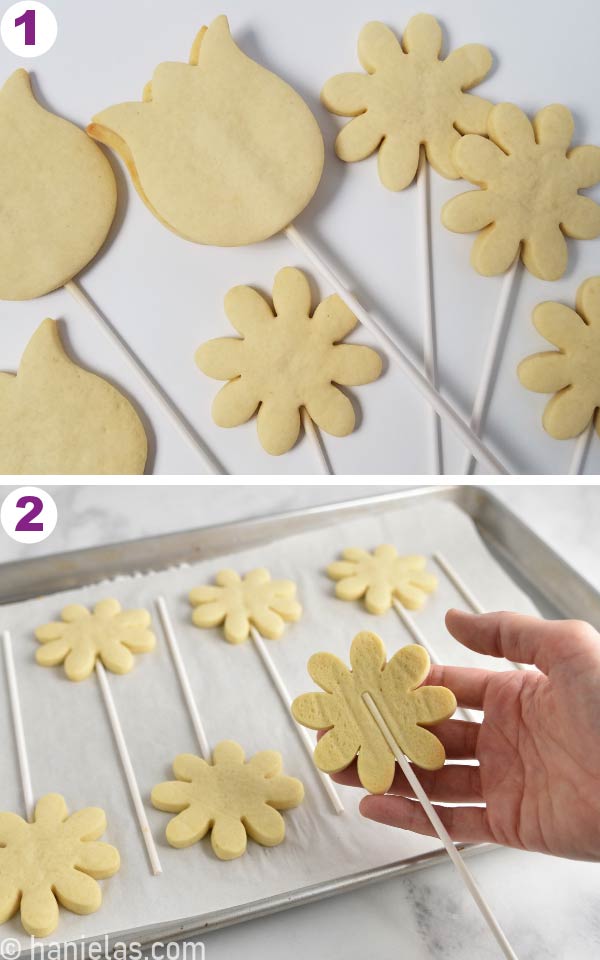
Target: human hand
x=538, y=747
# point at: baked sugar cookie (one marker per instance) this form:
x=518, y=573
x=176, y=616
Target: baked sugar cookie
x=382, y=576
x=57, y=195
x=232, y=798
x=55, y=860
x=56, y=418
x=571, y=373
x=407, y=707
x=238, y=604
x=287, y=359
x=528, y=199
x=408, y=97
x=221, y=150
x=81, y=637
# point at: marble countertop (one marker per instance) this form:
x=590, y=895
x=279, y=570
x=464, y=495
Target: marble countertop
x=549, y=908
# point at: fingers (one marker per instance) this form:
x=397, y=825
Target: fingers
x=519, y=638
x=468, y=684
x=464, y=824
x=454, y=783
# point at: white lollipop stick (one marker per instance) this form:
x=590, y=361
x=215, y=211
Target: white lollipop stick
x=438, y=826
x=212, y=464
x=459, y=584
x=410, y=368
x=420, y=638
x=492, y=357
x=132, y=783
x=429, y=331
x=582, y=448
x=17, y=719
x=316, y=439
x=183, y=677
x=307, y=743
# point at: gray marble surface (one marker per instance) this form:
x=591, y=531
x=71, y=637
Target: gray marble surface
x=549, y=908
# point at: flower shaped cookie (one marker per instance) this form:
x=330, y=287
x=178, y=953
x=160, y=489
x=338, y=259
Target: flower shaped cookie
x=286, y=361
x=380, y=577
x=238, y=603
x=573, y=372
x=233, y=799
x=55, y=858
x=406, y=707
x=110, y=633
x=529, y=183
x=409, y=97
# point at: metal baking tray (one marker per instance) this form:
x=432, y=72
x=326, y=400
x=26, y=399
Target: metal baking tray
x=555, y=587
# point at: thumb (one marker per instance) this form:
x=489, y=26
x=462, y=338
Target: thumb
x=520, y=638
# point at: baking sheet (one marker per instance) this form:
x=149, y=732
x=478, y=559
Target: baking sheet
x=71, y=750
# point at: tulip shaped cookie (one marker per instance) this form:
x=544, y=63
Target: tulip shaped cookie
x=408, y=97
x=287, y=359
x=109, y=634
x=57, y=418
x=380, y=577
x=238, y=604
x=57, y=195
x=571, y=373
x=528, y=198
x=408, y=709
x=55, y=860
x=221, y=150
x=232, y=798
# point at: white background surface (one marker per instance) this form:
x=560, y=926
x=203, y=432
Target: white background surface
x=548, y=907
x=165, y=295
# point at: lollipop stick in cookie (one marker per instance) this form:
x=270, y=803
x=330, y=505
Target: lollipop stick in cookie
x=429, y=330
x=17, y=718
x=317, y=441
x=213, y=465
x=493, y=356
x=58, y=199
x=265, y=175
x=90, y=641
x=433, y=816
x=183, y=677
x=245, y=605
x=411, y=369
x=582, y=448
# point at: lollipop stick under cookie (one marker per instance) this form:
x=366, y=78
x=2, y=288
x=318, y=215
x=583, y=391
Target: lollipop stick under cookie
x=493, y=356
x=17, y=719
x=317, y=441
x=461, y=587
x=420, y=638
x=582, y=448
x=182, y=675
x=440, y=830
x=282, y=690
x=132, y=783
x=429, y=331
x=175, y=418
x=410, y=368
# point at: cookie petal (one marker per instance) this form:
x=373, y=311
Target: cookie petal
x=332, y=411
x=397, y=161
x=235, y=403
x=568, y=413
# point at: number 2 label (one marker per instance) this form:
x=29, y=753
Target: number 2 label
x=28, y=515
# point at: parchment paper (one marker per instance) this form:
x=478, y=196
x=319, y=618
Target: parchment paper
x=71, y=749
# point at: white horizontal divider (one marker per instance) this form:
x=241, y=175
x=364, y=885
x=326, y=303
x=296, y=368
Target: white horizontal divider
x=265, y=656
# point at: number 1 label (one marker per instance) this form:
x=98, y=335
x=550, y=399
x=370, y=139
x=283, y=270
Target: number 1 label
x=28, y=28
